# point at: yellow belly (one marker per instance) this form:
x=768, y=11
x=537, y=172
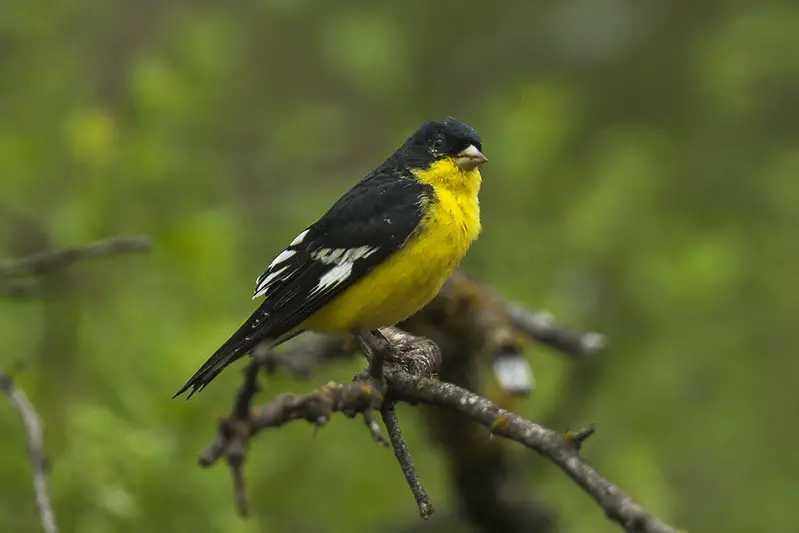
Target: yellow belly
x=410, y=278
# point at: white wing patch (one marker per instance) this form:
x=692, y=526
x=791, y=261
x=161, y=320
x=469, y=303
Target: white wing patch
x=285, y=254
x=343, y=258
x=298, y=239
x=265, y=281
x=342, y=255
x=328, y=255
x=334, y=276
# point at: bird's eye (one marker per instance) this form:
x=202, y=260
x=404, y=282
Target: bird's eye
x=438, y=142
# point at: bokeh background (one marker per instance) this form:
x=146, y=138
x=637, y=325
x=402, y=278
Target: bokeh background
x=643, y=182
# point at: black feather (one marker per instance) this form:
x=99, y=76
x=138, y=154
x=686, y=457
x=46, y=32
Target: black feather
x=241, y=342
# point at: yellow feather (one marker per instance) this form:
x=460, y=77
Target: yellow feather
x=410, y=278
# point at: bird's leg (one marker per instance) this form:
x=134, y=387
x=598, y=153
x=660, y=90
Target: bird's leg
x=375, y=347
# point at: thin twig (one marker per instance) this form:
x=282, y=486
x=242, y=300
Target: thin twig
x=540, y=326
x=403, y=456
x=35, y=439
x=374, y=428
x=577, y=438
x=51, y=260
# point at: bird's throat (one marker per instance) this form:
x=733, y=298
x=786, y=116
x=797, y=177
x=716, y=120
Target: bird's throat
x=447, y=174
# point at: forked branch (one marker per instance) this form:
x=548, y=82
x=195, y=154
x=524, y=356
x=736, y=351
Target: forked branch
x=407, y=373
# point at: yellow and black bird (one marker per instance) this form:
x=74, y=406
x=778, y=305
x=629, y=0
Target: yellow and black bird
x=378, y=255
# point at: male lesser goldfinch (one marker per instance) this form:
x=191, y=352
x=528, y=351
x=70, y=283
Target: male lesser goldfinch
x=378, y=255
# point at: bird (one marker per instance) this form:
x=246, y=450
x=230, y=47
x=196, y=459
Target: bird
x=378, y=255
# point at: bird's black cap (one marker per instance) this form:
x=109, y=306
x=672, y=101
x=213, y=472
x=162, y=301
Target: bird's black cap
x=438, y=138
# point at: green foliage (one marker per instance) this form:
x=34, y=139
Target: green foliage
x=649, y=193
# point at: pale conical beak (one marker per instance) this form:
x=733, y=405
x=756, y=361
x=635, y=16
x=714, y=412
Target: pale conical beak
x=470, y=158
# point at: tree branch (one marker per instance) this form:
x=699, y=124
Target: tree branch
x=412, y=360
x=57, y=259
x=35, y=439
x=562, y=451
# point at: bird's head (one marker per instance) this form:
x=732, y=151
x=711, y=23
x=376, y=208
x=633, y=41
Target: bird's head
x=444, y=140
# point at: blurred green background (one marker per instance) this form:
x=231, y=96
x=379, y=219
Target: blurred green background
x=643, y=182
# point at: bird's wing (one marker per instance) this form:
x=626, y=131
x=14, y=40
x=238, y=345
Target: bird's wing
x=362, y=229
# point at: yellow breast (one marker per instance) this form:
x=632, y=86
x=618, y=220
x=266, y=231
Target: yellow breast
x=412, y=277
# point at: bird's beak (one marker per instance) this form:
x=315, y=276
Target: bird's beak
x=470, y=158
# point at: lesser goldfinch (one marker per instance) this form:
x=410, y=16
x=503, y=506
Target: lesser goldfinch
x=378, y=255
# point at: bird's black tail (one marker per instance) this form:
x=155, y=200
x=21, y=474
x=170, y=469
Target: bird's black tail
x=240, y=343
